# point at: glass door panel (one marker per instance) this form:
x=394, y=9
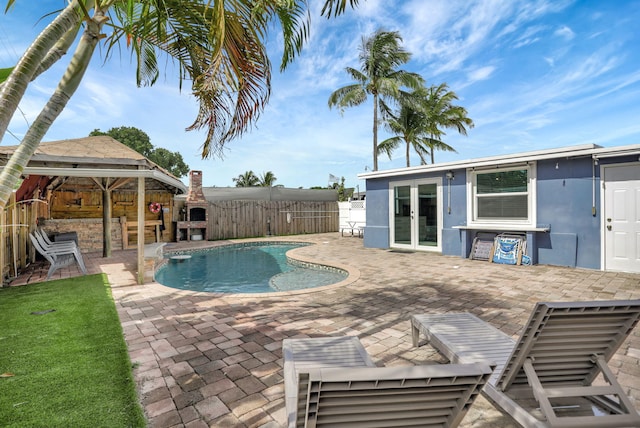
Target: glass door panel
x=402, y=215
x=428, y=215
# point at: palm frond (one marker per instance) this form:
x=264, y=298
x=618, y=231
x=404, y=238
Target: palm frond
x=389, y=145
x=336, y=7
x=347, y=96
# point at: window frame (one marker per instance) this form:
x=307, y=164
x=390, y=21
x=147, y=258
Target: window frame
x=472, y=197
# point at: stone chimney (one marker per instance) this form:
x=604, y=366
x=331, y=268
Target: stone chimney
x=195, y=226
x=195, y=187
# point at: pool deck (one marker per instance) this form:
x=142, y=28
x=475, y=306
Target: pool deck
x=207, y=360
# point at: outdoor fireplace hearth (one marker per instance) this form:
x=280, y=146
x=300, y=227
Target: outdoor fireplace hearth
x=194, y=226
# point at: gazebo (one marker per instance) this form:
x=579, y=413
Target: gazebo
x=96, y=187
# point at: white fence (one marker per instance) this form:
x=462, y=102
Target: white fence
x=352, y=216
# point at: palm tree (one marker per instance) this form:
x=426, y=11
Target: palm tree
x=380, y=56
x=218, y=47
x=441, y=113
x=248, y=179
x=408, y=125
x=267, y=179
x=419, y=121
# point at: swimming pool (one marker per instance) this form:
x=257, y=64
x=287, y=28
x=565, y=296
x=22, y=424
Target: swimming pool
x=257, y=267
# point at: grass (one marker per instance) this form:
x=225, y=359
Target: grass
x=70, y=366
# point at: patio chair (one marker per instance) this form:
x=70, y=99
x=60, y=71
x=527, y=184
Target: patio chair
x=333, y=382
x=546, y=378
x=44, y=239
x=58, y=256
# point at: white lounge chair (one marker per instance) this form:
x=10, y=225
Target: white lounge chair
x=58, y=256
x=546, y=378
x=332, y=382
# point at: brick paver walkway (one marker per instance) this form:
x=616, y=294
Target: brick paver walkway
x=206, y=360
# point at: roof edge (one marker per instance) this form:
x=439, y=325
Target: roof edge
x=110, y=172
x=568, y=152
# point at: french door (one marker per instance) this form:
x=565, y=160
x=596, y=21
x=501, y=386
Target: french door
x=416, y=214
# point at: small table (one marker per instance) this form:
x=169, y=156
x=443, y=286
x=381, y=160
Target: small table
x=352, y=227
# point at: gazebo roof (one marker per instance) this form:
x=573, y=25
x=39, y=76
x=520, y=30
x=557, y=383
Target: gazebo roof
x=100, y=156
x=90, y=149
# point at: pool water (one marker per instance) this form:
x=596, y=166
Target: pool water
x=254, y=268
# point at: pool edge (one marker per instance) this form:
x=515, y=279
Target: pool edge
x=353, y=274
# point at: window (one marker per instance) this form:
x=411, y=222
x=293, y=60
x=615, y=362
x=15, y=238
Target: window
x=503, y=196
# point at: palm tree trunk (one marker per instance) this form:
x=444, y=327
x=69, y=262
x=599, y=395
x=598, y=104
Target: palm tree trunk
x=407, y=154
x=57, y=51
x=375, y=132
x=13, y=89
x=69, y=83
x=432, y=150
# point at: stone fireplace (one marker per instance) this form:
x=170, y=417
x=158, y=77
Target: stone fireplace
x=194, y=226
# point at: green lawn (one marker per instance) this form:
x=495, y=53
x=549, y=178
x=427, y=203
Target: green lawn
x=70, y=366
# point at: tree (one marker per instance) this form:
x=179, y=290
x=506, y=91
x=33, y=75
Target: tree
x=409, y=126
x=131, y=137
x=419, y=120
x=248, y=179
x=219, y=48
x=343, y=193
x=379, y=76
x=139, y=141
x=171, y=161
x=267, y=179
x=441, y=113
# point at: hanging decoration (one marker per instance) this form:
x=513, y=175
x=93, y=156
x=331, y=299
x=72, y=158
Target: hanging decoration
x=155, y=207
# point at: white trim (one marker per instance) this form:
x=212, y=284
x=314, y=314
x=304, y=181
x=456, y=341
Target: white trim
x=413, y=197
x=503, y=228
x=506, y=224
x=603, y=243
x=585, y=150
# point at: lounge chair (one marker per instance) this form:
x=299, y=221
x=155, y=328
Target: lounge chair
x=546, y=378
x=333, y=382
x=58, y=256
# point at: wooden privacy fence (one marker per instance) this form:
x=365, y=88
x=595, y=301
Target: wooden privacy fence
x=16, y=221
x=246, y=219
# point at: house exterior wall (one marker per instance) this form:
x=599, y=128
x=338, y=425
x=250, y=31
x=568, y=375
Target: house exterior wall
x=376, y=232
x=568, y=202
x=565, y=202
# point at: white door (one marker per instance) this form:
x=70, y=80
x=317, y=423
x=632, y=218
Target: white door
x=621, y=217
x=416, y=214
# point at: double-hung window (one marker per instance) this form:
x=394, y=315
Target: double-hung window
x=503, y=196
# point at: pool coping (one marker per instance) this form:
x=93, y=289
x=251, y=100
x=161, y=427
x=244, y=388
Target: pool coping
x=353, y=274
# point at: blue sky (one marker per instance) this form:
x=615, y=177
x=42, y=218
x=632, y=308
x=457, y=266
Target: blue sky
x=533, y=74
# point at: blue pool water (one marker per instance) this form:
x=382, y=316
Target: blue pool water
x=247, y=268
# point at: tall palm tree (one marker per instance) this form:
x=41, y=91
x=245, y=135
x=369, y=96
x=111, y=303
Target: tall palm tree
x=248, y=179
x=218, y=47
x=379, y=76
x=408, y=125
x=267, y=179
x=442, y=113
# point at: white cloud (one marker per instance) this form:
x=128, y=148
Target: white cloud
x=565, y=33
x=482, y=73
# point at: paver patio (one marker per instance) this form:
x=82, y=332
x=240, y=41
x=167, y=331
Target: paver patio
x=207, y=360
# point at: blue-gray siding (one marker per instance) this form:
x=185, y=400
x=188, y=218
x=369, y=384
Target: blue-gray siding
x=564, y=203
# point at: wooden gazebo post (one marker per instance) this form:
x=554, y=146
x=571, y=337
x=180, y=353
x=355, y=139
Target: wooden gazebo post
x=106, y=218
x=141, y=208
